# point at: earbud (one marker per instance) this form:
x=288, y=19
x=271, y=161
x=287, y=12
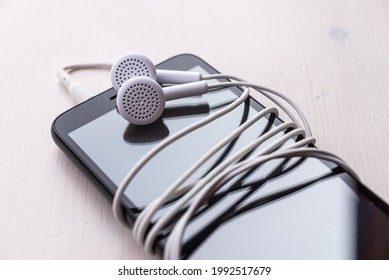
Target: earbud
x=141, y=100
x=132, y=65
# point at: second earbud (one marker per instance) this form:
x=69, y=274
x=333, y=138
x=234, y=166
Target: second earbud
x=134, y=65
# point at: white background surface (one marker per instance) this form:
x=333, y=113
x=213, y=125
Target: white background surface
x=329, y=56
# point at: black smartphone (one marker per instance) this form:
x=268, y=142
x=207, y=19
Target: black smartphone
x=287, y=209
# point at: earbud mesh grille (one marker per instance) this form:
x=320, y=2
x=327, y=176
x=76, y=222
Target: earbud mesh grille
x=141, y=101
x=131, y=67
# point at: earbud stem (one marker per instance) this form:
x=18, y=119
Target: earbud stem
x=177, y=77
x=185, y=90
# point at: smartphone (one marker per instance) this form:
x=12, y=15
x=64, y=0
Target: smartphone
x=301, y=208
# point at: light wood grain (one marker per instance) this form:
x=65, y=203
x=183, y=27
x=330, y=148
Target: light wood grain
x=329, y=56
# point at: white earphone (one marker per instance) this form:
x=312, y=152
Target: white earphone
x=141, y=100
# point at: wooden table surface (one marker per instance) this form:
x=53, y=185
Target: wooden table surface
x=330, y=56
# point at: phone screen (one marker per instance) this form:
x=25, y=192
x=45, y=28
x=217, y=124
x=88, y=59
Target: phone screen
x=298, y=209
